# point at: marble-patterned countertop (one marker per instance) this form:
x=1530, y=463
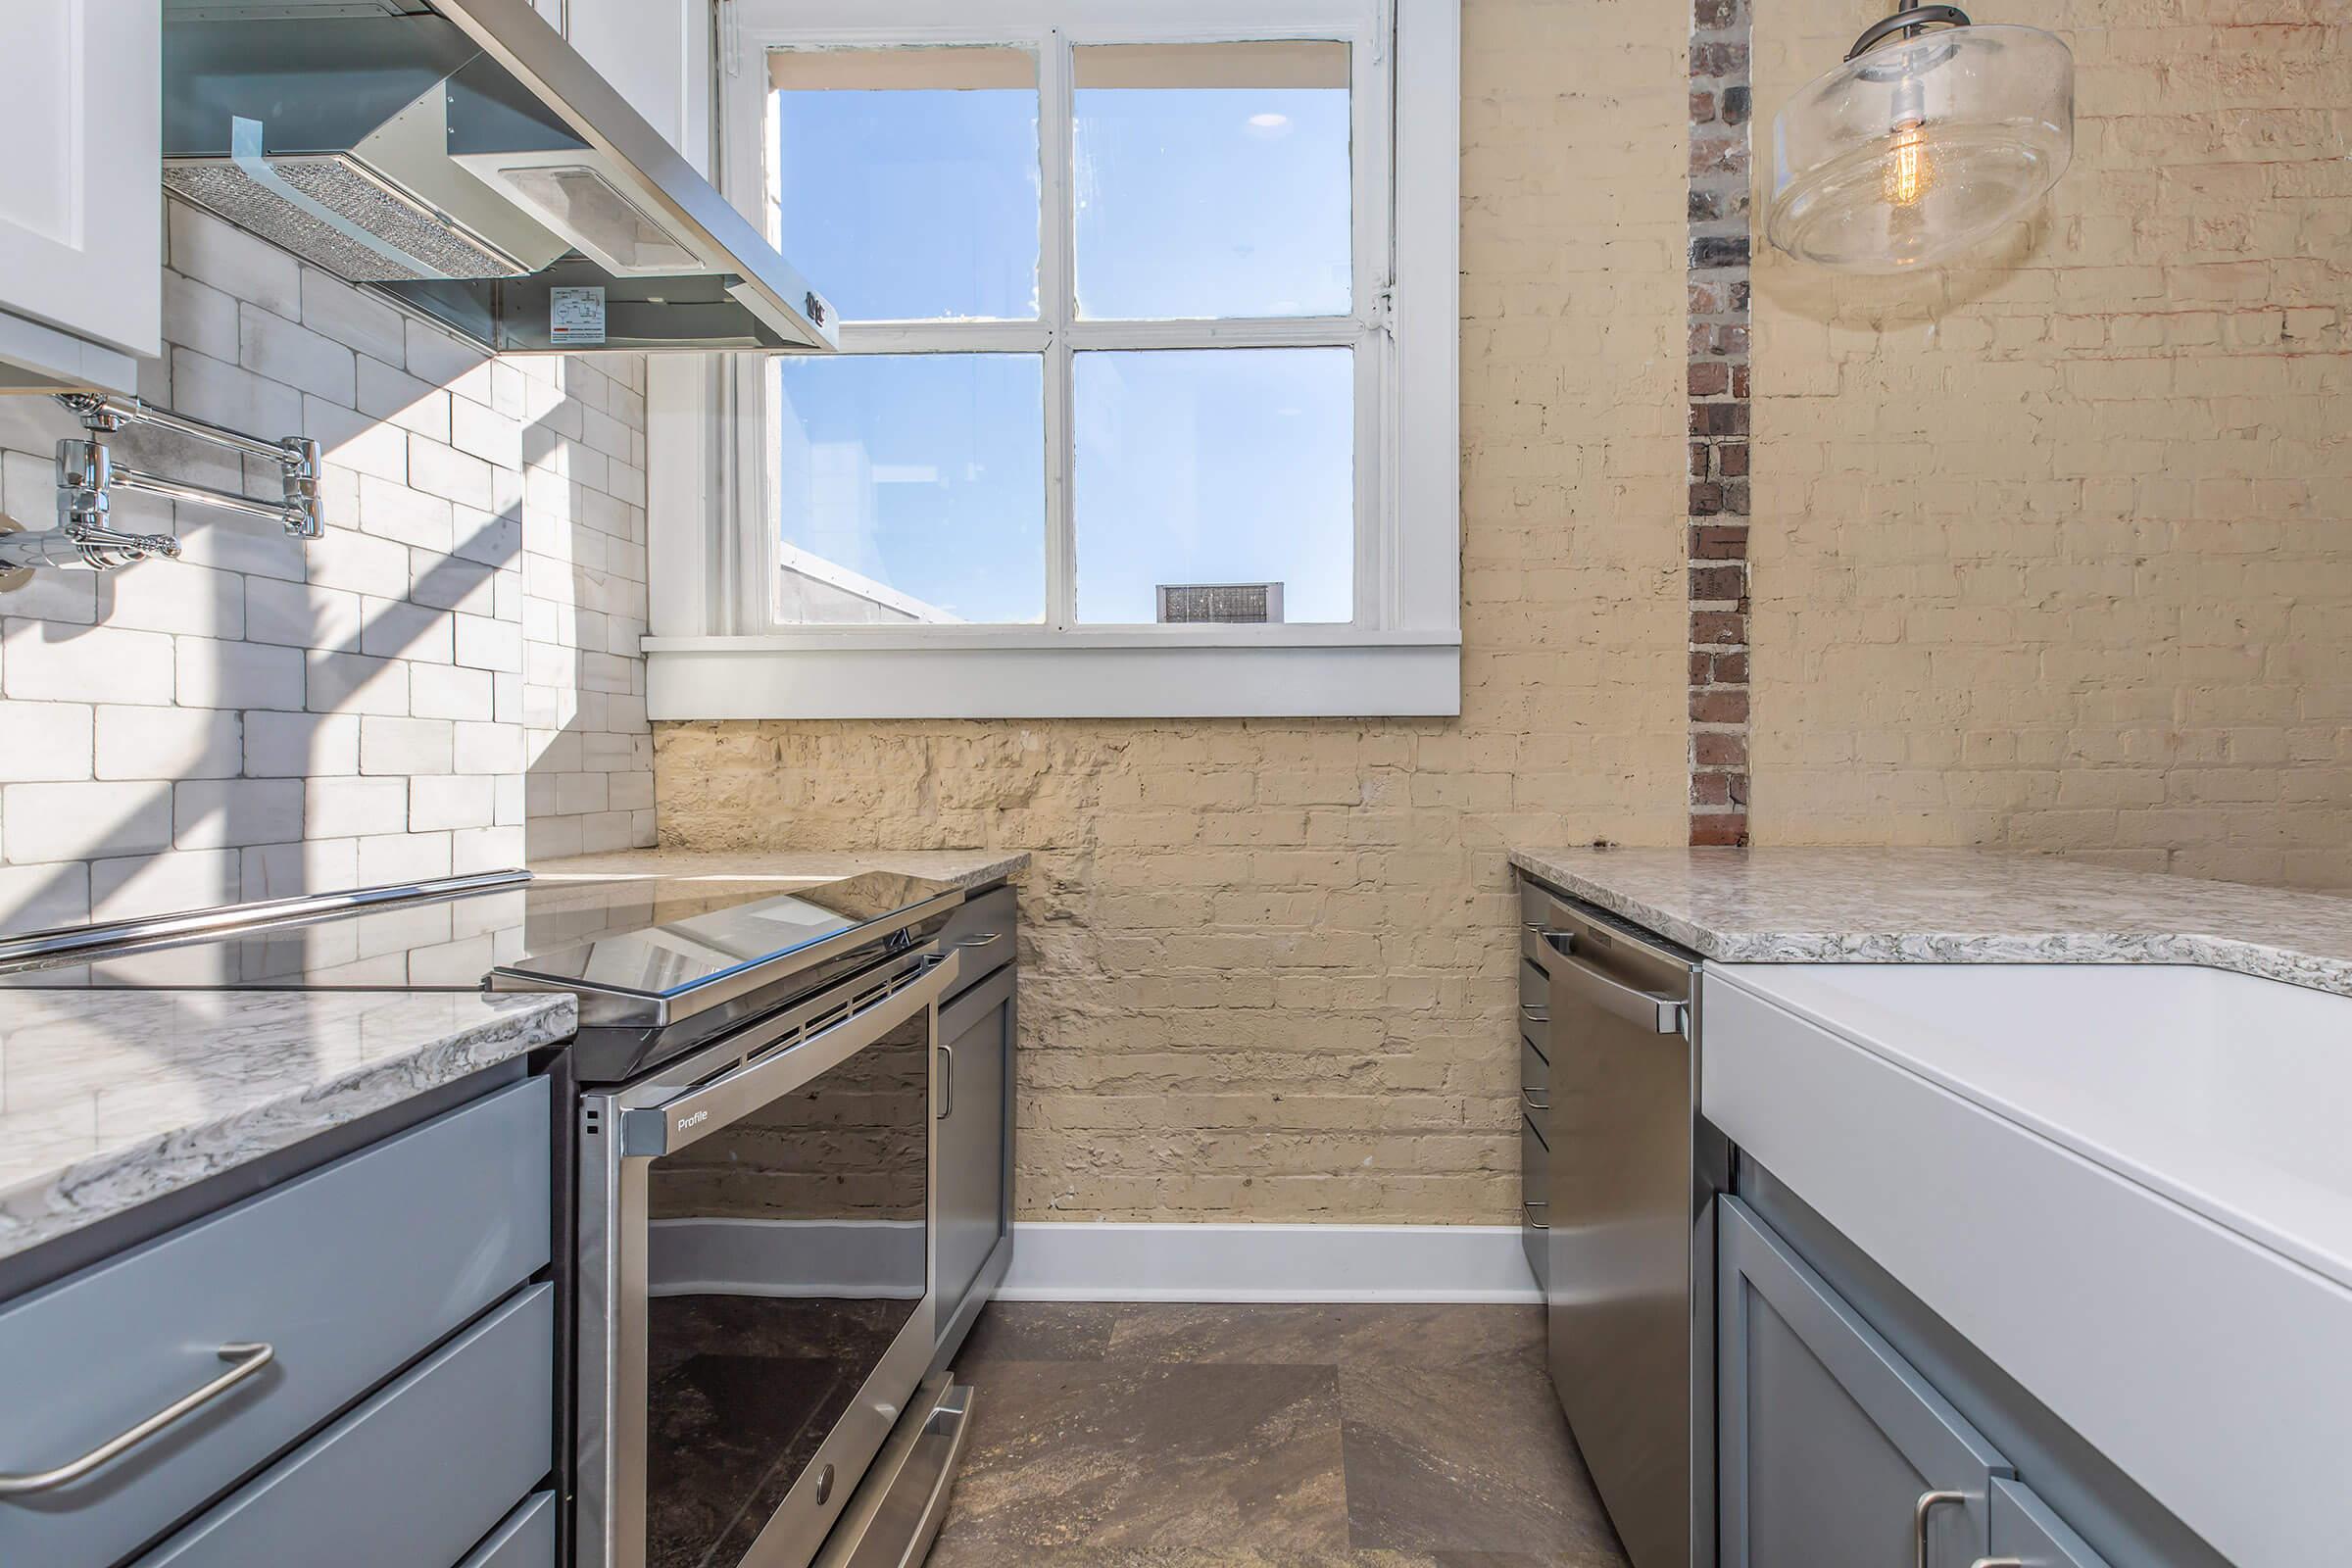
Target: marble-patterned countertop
x=110, y=1099
x=1835, y=905
x=965, y=868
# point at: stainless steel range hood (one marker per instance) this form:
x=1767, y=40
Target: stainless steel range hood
x=460, y=156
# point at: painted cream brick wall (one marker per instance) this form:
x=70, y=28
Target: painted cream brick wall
x=452, y=671
x=2051, y=555
x=1271, y=966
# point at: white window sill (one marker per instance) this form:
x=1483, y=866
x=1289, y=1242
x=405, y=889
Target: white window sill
x=997, y=672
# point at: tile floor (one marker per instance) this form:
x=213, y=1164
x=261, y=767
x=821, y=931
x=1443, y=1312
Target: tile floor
x=1267, y=1437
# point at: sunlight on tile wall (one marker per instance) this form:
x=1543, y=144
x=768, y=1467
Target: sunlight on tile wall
x=453, y=670
x=2053, y=553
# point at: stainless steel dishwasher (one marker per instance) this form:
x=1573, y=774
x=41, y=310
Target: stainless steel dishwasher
x=1629, y=1282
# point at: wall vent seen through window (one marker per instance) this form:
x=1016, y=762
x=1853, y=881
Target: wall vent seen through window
x=1230, y=603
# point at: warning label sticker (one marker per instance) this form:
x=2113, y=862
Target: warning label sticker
x=575, y=316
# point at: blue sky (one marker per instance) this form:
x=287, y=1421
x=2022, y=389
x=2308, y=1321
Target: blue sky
x=926, y=471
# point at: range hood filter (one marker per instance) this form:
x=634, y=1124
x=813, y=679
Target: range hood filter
x=366, y=205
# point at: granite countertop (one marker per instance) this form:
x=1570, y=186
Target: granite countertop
x=111, y=1099
x=964, y=868
x=1838, y=905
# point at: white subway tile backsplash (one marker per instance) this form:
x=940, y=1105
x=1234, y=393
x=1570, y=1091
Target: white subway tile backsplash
x=360, y=563
x=397, y=512
x=450, y=692
x=487, y=749
x=301, y=745
x=360, y=442
x=166, y=743
x=204, y=248
x=300, y=614
x=407, y=745
x=252, y=547
x=398, y=398
x=208, y=389
x=580, y=794
x=356, y=807
x=81, y=821
x=483, y=642
x=154, y=884
x=437, y=357
x=202, y=317
x=389, y=858
x=270, y=346
x=213, y=814
x=353, y=318
x=175, y=596
x=486, y=849
x=268, y=715
x=46, y=740
x=451, y=800
x=38, y=897
x=44, y=661
x=488, y=435
x=394, y=628
x=213, y=673
x=354, y=683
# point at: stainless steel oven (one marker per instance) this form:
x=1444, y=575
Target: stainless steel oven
x=757, y=1268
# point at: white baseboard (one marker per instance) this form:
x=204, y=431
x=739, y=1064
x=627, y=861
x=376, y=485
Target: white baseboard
x=1071, y=1261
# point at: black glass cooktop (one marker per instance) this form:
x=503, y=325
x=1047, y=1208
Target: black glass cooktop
x=651, y=937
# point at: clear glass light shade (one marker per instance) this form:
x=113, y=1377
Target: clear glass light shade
x=1920, y=148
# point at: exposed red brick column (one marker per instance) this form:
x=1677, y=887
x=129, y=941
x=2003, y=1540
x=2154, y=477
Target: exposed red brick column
x=1717, y=370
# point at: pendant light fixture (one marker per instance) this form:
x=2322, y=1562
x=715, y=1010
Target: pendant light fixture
x=1931, y=135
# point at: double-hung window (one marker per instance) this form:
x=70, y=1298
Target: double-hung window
x=1145, y=403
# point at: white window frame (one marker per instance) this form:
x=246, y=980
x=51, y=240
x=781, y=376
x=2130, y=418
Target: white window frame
x=717, y=653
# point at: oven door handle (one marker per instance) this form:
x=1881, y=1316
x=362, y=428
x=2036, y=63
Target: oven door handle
x=651, y=1131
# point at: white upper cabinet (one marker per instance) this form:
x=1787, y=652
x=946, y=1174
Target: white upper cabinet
x=80, y=191
x=657, y=54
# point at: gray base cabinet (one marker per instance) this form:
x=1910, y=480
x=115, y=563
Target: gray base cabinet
x=2028, y=1532
x=1833, y=1450
x=395, y=1401
x=976, y=1034
x=979, y=1026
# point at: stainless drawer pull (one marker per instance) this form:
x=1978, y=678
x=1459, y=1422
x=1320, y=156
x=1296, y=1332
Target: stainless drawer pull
x=249, y=1359
x=1534, y=1014
x=983, y=938
x=1527, y=1098
x=1530, y=1205
x=1919, y=1521
x=947, y=1083
x=1661, y=1015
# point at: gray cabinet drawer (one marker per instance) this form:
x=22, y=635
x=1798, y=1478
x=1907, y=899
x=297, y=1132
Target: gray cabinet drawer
x=2025, y=1530
x=1830, y=1446
x=1535, y=1006
x=347, y=1273
x=1535, y=1084
x=983, y=930
x=524, y=1539
x=413, y=1478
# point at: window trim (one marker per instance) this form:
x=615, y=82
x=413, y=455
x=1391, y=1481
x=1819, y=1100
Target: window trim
x=712, y=652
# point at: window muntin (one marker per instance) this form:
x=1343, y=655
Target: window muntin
x=1125, y=50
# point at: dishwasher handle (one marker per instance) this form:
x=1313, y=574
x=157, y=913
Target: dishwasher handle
x=1661, y=1014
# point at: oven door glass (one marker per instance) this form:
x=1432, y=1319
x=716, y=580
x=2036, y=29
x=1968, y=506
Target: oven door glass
x=786, y=1252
